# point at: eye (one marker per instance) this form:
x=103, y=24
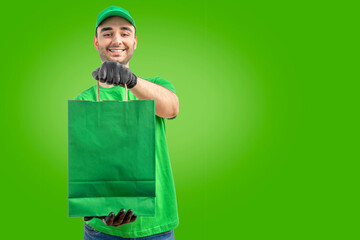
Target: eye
x=107, y=34
x=125, y=34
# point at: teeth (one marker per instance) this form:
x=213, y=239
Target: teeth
x=113, y=50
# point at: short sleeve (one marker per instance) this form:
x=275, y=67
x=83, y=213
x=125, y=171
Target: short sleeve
x=78, y=97
x=87, y=95
x=163, y=82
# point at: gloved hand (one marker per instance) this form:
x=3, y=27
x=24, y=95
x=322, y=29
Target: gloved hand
x=116, y=74
x=119, y=219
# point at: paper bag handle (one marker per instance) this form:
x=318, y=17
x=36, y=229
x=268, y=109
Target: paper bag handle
x=98, y=92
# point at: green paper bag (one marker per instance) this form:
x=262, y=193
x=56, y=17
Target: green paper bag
x=111, y=157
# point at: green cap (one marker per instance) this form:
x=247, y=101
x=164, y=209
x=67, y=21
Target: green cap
x=114, y=11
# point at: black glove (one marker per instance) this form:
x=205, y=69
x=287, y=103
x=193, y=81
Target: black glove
x=120, y=219
x=116, y=74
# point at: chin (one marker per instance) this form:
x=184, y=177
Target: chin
x=112, y=60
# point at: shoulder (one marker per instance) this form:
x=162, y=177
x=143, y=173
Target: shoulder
x=86, y=94
x=162, y=81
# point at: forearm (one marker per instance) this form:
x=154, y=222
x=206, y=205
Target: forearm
x=166, y=102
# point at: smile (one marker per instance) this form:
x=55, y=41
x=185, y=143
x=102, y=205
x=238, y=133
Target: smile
x=116, y=50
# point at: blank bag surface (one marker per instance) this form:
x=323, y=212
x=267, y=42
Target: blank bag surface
x=111, y=157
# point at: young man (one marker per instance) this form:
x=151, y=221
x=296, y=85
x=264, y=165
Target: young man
x=115, y=39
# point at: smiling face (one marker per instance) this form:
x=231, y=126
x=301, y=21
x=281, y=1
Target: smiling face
x=116, y=40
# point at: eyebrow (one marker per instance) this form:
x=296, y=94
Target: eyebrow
x=110, y=28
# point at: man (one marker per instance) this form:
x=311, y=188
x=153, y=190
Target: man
x=115, y=39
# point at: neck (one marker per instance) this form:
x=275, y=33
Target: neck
x=105, y=85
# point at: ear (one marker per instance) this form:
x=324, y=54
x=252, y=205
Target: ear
x=96, y=43
x=135, y=43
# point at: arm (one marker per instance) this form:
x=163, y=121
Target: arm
x=166, y=102
x=114, y=73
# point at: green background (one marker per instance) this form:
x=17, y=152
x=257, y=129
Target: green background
x=265, y=144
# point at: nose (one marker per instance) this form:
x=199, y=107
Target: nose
x=117, y=38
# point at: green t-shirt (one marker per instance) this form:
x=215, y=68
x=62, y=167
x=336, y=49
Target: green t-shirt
x=166, y=212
